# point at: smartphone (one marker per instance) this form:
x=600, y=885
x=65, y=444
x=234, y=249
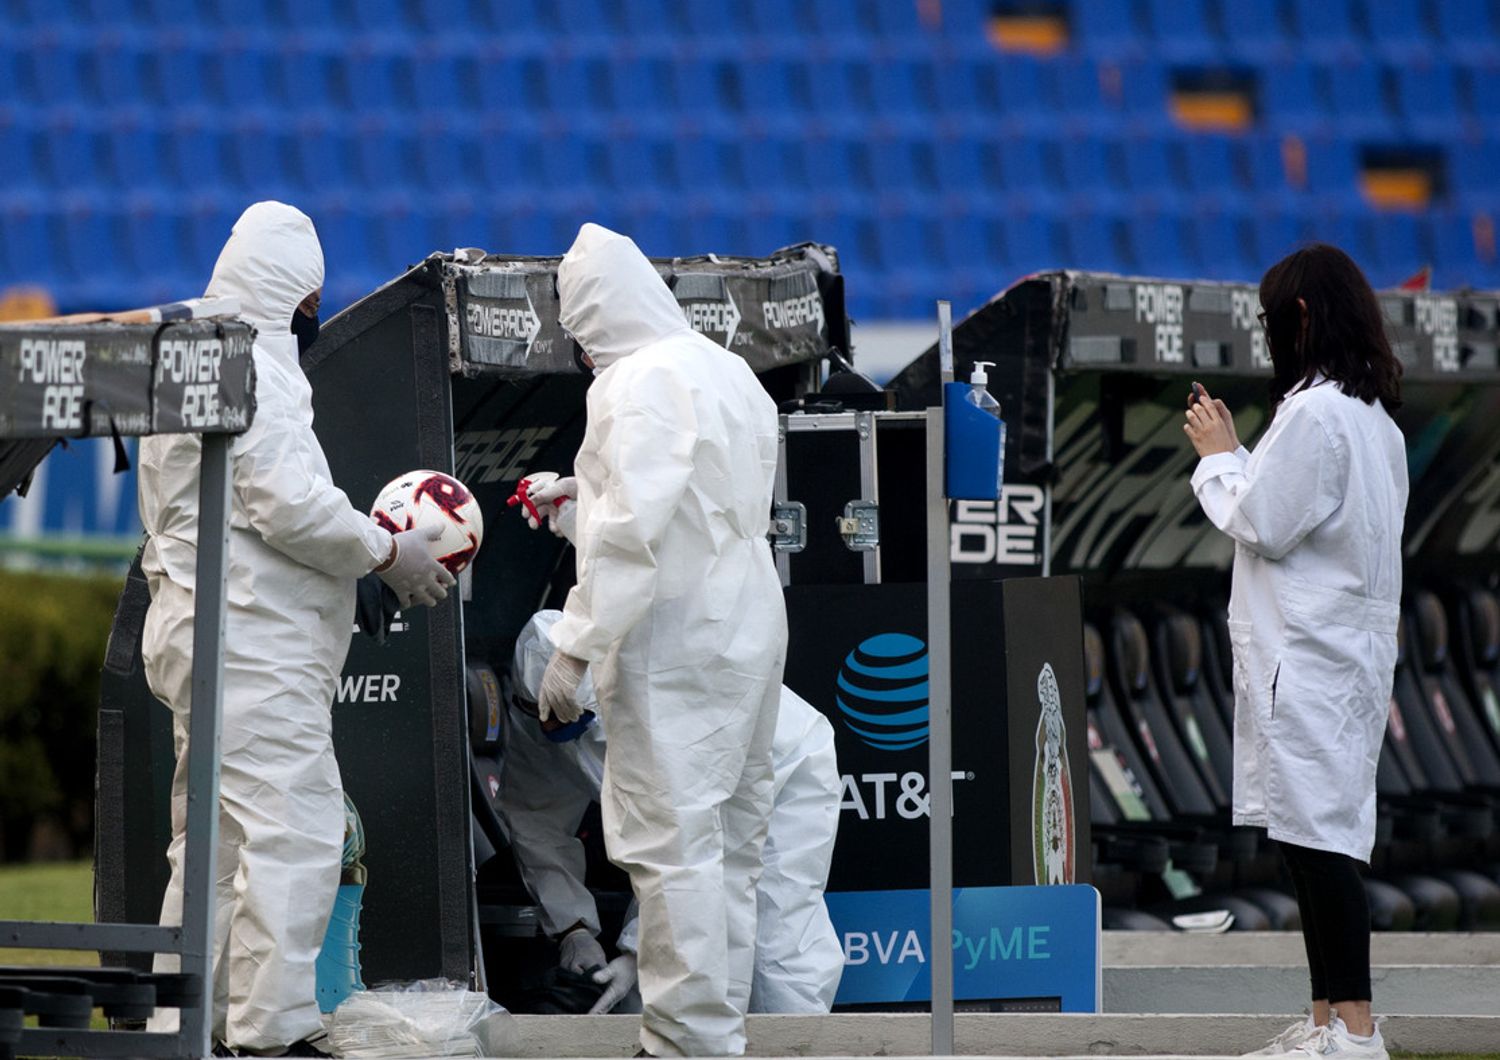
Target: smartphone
x=1197, y=394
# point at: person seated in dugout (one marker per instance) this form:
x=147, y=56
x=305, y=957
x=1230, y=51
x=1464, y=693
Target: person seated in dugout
x=552, y=771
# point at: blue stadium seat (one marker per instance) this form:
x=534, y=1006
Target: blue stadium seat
x=1484, y=96
x=1427, y=97
x=71, y=156
x=1094, y=241
x=649, y=18
x=175, y=73
x=575, y=84
x=564, y=156
x=382, y=155
x=239, y=14
x=19, y=168
x=1332, y=170
x=1357, y=99
x=1399, y=29
x=370, y=74
x=1326, y=28
x=402, y=234
x=50, y=70
x=967, y=87
x=1029, y=97
x=766, y=88
x=1144, y=91
x=381, y=15
x=842, y=21
x=641, y=85
x=1158, y=245
x=114, y=69
x=1266, y=157
x=1459, y=260
x=1148, y=171
x=840, y=164
x=1215, y=168
x=716, y=22
x=775, y=18
x=1273, y=235
x=1402, y=244
x=700, y=84
x=175, y=13
x=1033, y=241
x=447, y=151
x=1106, y=27
x=1349, y=230
x=1030, y=165
x=703, y=161
x=24, y=251
x=1220, y=239
x=1474, y=174
x=1091, y=96
x=634, y=160
x=1180, y=31
x=134, y=151
x=438, y=85
x=321, y=153
x=1292, y=99
x=1093, y=170
x=243, y=75
x=309, y=75
x=1468, y=30
x=1255, y=31
x=901, y=88
x=766, y=163
x=966, y=164
x=970, y=241
x=88, y=240
x=902, y=163
x=900, y=21
x=445, y=16
x=258, y=158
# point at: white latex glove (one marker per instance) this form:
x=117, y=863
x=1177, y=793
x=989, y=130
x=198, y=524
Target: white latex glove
x=558, y=696
x=580, y=951
x=553, y=498
x=411, y=572
x=618, y=976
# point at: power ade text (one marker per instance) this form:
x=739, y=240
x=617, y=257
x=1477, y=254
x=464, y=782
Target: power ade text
x=368, y=688
x=1018, y=943
x=1004, y=531
x=497, y=456
x=872, y=797
x=195, y=365
x=1244, y=314
x=498, y=322
x=794, y=312
x=1438, y=317
x=1160, y=304
x=711, y=318
x=58, y=365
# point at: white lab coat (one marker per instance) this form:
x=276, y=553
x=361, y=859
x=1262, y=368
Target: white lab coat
x=546, y=787
x=1316, y=514
x=679, y=608
x=296, y=547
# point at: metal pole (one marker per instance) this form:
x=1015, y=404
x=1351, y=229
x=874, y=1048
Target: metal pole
x=940, y=716
x=209, y=599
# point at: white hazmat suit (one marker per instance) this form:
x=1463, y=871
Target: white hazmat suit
x=296, y=547
x=1315, y=513
x=679, y=609
x=546, y=787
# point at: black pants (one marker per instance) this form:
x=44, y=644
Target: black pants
x=1335, y=922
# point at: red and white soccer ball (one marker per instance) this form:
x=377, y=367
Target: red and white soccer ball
x=427, y=498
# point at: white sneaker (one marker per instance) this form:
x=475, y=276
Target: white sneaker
x=1288, y=1039
x=1334, y=1040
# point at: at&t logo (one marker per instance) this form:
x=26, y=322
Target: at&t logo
x=882, y=692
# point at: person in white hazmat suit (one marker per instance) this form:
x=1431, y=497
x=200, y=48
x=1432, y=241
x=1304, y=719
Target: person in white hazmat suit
x=798, y=959
x=679, y=609
x=1316, y=514
x=296, y=548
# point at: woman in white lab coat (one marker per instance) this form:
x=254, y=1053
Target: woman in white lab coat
x=1316, y=514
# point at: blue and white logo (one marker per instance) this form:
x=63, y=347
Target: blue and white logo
x=882, y=692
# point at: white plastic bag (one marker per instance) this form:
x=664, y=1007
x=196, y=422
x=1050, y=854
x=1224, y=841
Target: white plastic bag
x=432, y=1017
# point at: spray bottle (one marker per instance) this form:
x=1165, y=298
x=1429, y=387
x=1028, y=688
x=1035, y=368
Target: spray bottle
x=980, y=397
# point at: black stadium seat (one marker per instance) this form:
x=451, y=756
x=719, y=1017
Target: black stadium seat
x=1177, y=641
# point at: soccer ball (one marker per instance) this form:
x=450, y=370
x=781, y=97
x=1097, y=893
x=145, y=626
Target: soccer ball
x=423, y=498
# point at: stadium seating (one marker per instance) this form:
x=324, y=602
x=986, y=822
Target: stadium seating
x=481, y=121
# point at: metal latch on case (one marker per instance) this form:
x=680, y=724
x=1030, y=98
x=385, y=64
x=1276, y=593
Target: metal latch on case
x=859, y=526
x=788, y=527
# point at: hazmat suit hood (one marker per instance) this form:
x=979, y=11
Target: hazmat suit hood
x=612, y=300
x=271, y=262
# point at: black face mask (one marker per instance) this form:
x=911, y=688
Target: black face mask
x=305, y=328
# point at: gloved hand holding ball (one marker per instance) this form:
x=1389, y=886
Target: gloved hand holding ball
x=436, y=526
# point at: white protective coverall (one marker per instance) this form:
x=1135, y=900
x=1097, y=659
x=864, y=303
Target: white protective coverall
x=546, y=787
x=679, y=608
x=296, y=548
x=1316, y=515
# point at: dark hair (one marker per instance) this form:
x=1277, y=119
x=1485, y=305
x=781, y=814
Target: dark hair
x=1343, y=335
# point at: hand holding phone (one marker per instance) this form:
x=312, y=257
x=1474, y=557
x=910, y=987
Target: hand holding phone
x=1197, y=394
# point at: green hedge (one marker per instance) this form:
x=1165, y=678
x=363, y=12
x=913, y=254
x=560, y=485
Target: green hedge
x=53, y=630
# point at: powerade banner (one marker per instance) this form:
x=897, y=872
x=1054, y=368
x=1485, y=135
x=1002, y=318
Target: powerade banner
x=1036, y=944
x=784, y=309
